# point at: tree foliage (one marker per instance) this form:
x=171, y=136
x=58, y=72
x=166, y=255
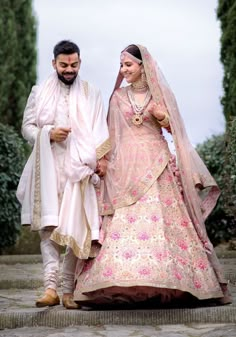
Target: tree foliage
x=17, y=75
x=12, y=159
x=220, y=224
x=229, y=191
x=226, y=13
x=17, y=57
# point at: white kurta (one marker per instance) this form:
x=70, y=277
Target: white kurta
x=55, y=188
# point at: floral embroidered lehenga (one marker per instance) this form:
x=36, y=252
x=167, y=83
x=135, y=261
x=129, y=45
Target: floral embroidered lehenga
x=153, y=245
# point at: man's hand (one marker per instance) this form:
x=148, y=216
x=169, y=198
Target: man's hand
x=59, y=134
x=101, y=167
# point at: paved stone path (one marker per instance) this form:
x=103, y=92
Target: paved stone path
x=21, y=284
x=209, y=330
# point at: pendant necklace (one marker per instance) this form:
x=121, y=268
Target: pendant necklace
x=137, y=118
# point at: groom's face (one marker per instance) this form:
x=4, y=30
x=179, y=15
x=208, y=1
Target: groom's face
x=67, y=67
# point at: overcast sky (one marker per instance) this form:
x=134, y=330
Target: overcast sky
x=182, y=35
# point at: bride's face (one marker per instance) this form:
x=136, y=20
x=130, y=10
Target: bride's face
x=130, y=69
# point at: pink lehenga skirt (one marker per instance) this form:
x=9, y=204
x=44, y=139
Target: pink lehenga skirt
x=150, y=250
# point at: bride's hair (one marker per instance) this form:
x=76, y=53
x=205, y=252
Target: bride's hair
x=134, y=50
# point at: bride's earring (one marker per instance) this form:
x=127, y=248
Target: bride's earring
x=143, y=76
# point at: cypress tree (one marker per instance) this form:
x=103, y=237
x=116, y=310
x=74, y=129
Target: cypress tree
x=18, y=58
x=17, y=75
x=226, y=13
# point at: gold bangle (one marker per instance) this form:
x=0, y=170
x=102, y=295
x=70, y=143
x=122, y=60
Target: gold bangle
x=164, y=122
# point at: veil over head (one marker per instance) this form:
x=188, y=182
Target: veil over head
x=199, y=187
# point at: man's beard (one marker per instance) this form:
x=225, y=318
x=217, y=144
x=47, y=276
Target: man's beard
x=65, y=81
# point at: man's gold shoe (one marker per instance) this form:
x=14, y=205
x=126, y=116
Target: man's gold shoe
x=69, y=303
x=47, y=301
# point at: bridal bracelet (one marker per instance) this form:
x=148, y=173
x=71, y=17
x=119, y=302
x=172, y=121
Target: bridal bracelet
x=164, y=122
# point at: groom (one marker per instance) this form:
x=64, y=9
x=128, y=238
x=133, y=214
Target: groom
x=65, y=122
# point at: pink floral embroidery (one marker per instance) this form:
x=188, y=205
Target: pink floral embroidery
x=161, y=255
x=134, y=192
x=115, y=235
x=160, y=160
x=181, y=260
x=131, y=218
x=184, y=223
x=182, y=244
x=149, y=176
x=128, y=254
x=178, y=275
x=155, y=218
x=144, y=271
x=197, y=284
x=168, y=202
x=143, y=236
x=143, y=199
x=114, y=201
x=108, y=272
x=169, y=178
x=201, y=264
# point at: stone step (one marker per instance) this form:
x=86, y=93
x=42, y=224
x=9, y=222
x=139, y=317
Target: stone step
x=23, y=259
x=59, y=317
x=171, y=330
x=21, y=276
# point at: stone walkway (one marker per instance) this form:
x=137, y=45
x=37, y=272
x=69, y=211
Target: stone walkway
x=21, y=284
x=193, y=330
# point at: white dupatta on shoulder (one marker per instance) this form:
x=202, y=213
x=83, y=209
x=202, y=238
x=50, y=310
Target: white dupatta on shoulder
x=77, y=219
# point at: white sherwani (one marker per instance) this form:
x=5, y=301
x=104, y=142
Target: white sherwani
x=55, y=188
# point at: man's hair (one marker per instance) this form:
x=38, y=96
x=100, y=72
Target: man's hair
x=65, y=47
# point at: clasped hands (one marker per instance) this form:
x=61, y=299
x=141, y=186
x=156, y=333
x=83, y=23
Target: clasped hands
x=101, y=167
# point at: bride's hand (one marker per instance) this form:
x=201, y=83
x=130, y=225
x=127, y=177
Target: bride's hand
x=155, y=110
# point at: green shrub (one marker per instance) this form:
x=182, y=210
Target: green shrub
x=229, y=192
x=12, y=159
x=220, y=224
